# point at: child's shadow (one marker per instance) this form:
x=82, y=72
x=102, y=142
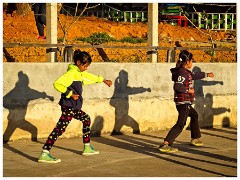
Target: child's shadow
x=16, y=101
x=97, y=126
x=200, y=100
x=210, y=112
x=120, y=101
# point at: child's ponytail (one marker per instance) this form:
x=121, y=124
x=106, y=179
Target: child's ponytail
x=184, y=57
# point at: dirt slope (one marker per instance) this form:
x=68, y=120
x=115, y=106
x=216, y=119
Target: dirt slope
x=23, y=29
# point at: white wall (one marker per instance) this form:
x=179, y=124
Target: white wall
x=27, y=113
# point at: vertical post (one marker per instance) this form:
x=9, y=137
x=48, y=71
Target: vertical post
x=212, y=25
x=225, y=22
x=171, y=54
x=130, y=16
x=232, y=21
x=152, y=31
x=219, y=22
x=199, y=21
x=68, y=54
x=51, y=26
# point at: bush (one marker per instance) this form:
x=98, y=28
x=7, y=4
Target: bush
x=97, y=38
x=100, y=38
x=133, y=40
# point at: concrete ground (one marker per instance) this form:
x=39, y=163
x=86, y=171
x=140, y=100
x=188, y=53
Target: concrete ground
x=128, y=156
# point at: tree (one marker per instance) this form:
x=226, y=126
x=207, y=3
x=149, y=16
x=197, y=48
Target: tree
x=67, y=26
x=203, y=16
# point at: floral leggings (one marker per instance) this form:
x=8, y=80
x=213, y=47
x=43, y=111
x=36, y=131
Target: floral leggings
x=67, y=114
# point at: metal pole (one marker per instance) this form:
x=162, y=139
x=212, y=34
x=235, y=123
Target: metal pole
x=51, y=25
x=152, y=31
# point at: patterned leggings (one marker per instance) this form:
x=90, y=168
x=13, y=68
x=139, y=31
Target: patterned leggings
x=67, y=114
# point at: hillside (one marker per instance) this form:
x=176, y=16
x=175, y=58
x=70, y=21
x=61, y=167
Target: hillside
x=22, y=29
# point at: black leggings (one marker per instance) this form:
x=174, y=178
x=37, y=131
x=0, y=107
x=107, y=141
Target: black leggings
x=67, y=114
x=184, y=110
x=40, y=17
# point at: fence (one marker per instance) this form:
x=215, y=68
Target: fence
x=214, y=21
x=16, y=52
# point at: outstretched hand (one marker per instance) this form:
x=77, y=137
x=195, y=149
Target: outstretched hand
x=108, y=82
x=210, y=74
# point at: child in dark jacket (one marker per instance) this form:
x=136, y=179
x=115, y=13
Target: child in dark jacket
x=184, y=97
x=70, y=85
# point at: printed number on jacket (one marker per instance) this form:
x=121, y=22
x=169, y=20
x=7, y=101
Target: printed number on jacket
x=181, y=79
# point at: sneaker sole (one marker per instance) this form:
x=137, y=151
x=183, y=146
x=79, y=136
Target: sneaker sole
x=165, y=151
x=44, y=161
x=89, y=154
x=198, y=145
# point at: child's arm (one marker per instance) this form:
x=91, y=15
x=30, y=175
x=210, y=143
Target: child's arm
x=198, y=75
x=89, y=78
x=201, y=75
x=63, y=82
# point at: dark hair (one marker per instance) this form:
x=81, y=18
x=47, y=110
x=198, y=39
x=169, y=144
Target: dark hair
x=81, y=56
x=184, y=57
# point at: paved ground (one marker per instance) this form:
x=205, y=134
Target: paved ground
x=128, y=156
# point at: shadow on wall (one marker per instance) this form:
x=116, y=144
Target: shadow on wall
x=97, y=126
x=209, y=112
x=203, y=105
x=16, y=101
x=120, y=101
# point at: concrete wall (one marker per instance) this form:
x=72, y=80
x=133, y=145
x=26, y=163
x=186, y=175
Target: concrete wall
x=141, y=95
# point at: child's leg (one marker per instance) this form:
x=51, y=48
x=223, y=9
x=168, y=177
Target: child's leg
x=183, y=111
x=85, y=118
x=65, y=119
x=194, y=125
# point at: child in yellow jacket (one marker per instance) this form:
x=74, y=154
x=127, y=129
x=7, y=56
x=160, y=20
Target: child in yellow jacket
x=70, y=85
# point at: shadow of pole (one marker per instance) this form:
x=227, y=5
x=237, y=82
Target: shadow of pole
x=8, y=56
x=103, y=54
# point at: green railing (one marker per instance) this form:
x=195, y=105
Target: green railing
x=120, y=16
x=215, y=21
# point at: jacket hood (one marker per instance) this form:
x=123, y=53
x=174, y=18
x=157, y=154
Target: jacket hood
x=175, y=72
x=73, y=67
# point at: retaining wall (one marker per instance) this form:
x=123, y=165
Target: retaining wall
x=141, y=96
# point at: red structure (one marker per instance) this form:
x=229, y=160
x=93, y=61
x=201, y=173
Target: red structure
x=181, y=20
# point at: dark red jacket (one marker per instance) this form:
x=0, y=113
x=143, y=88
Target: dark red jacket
x=182, y=78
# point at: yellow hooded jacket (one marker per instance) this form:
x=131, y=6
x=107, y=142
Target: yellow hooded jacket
x=71, y=83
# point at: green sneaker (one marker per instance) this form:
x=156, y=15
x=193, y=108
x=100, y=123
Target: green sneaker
x=196, y=142
x=45, y=157
x=167, y=148
x=89, y=150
